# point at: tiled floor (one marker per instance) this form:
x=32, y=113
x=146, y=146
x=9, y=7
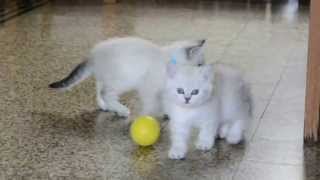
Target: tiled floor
x=50, y=135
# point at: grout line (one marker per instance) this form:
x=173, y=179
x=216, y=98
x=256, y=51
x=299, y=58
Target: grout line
x=219, y=60
x=229, y=44
x=285, y=67
x=277, y=140
x=260, y=118
x=269, y=101
x=273, y=163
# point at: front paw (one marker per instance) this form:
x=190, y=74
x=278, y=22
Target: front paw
x=234, y=139
x=116, y=113
x=204, y=145
x=120, y=112
x=177, y=154
x=123, y=112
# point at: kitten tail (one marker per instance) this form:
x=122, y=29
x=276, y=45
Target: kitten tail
x=78, y=74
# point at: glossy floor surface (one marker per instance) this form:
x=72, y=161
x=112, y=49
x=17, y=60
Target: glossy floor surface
x=51, y=135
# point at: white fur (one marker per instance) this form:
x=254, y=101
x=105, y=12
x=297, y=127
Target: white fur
x=222, y=106
x=124, y=64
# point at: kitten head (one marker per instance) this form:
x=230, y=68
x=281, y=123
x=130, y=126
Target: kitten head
x=189, y=86
x=188, y=52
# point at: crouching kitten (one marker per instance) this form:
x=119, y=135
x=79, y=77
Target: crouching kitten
x=124, y=64
x=213, y=98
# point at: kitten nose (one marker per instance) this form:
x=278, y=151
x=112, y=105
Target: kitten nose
x=187, y=99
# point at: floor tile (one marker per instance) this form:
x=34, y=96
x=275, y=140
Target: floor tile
x=251, y=171
x=278, y=152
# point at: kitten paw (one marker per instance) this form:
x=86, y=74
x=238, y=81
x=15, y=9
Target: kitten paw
x=234, y=139
x=176, y=154
x=223, y=131
x=204, y=146
x=122, y=114
x=125, y=112
x=102, y=105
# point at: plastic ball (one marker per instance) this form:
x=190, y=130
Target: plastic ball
x=145, y=130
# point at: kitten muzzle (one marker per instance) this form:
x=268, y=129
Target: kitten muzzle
x=187, y=99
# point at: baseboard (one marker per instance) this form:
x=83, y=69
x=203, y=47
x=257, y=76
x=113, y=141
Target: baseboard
x=15, y=9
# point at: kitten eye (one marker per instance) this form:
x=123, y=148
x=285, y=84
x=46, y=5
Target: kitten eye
x=195, y=92
x=180, y=91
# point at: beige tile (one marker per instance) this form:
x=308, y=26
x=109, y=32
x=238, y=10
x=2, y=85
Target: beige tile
x=279, y=130
x=254, y=122
x=252, y=171
x=283, y=120
x=277, y=152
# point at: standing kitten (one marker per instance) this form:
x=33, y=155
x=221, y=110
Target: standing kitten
x=123, y=64
x=213, y=98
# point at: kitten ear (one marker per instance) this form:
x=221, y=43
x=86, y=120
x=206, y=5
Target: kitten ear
x=207, y=72
x=171, y=70
x=195, y=49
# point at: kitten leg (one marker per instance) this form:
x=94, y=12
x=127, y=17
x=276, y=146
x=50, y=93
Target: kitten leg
x=165, y=109
x=207, y=135
x=150, y=102
x=235, y=134
x=111, y=100
x=100, y=101
x=179, y=134
x=223, y=130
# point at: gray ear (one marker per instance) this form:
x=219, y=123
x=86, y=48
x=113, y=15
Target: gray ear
x=207, y=71
x=171, y=70
x=195, y=49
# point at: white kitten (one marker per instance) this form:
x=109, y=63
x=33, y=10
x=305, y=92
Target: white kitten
x=213, y=98
x=123, y=64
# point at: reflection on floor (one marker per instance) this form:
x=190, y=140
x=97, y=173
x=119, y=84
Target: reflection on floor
x=50, y=135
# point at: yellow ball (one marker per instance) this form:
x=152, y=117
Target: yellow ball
x=145, y=130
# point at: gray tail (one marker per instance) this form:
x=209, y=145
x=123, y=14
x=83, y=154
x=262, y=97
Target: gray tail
x=78, y=74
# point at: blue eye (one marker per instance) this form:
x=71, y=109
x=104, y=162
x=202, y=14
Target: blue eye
x=195, y=92
x=180, y=91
